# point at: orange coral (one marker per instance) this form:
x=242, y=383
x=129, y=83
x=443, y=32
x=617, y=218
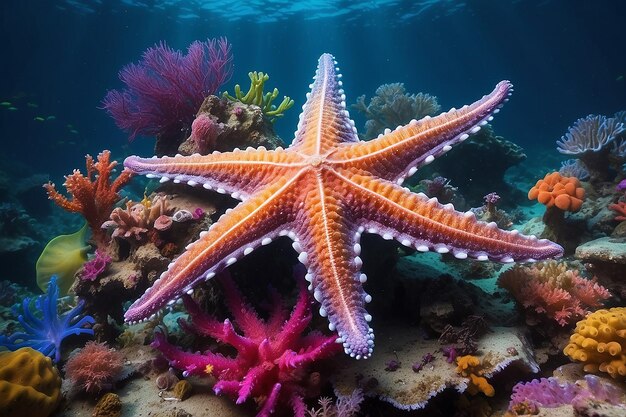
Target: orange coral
x=553, y=290
x=469, y=366
x=92, y=195
x=554, y=190
x=620, y=209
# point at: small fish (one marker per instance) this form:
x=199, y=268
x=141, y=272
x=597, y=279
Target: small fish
x=39, y=119
x=5, y=104
x=33, y=105
x=12, y=108
x=51, y=118
x=74, y=131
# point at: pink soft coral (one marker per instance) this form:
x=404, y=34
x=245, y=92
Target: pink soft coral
x=551, y=289
x=95, y=367
x=273, y=359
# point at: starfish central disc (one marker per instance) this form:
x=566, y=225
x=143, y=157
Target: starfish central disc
x=326, y=212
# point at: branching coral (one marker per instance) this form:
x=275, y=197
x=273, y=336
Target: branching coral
x=45, y=334
x=92, y=195
x=256, y=97
x=165, y=89
x=392, y=106
x=599, y=341
x=272, y=358
x=95, y=367
x=552, y=290
x=138, y=218
x=574, y=168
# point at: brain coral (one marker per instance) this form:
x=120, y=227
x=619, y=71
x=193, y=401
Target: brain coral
x=599, y=341
x=556, y=190
x=29, y=384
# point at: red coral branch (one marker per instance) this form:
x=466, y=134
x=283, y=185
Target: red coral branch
x=93, y=195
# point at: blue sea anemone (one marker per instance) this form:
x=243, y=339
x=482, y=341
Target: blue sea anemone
x=44, y=328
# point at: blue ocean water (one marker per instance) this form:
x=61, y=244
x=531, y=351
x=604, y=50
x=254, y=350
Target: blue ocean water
x=565, y=58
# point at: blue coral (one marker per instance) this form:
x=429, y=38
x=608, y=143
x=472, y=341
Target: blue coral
x=45, y=334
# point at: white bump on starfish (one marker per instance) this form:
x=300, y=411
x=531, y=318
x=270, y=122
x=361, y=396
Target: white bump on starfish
x=332, y=327
x=151, y=176
x=317, y=294
x=507, y=260
x=357, y=248
x=292, y=235
x=426, y=118
x=446, y=148
x=189, y=291
x=192, y=183
x=368, y=317
x=303, y=258
x=372, y=230
x=441, y=249
x=460, y=255
x=248, y=250
x=387, y=131
x=482, y=257
x=412, y=171
x=296, y=246
x=448, y=206
x=221, y=190
x=469, y=215
x=492, y=225
x=266, y=241
x=362, y=278
x=309, y=277
x=463, y=137
x=399, y=181
x=405, y=242
x=490, y=118
x=497, y=110
x=163, y=180
x=207, y=186
x=340, y=83
x=358, y=262
x=475, y=129
x=367, y=298
x=323, y=312
x=231, y=261
x=422, y=248
x=387, y=236
x=429, y=159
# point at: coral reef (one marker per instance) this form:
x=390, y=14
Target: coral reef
x=392, y=106
x=224, y=125
x=599, y=341
x=95, y=367
x=164, y=90
x=553, y=291
x=93, y=195
x=574, y=168
x=273, y=356
x=255, y=97
x=95, y=266
x=588, y=139
x=605, y=258
x=138, y=219
x=46, y=334
x=29, y=384
x=62, y=257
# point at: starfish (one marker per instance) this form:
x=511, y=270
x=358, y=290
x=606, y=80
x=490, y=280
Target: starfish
x=324, y=191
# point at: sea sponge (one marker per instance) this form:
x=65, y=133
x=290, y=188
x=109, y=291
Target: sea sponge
x=29, y=384
x=599, y=341
x=469, y=366
x=556, y=190
x=95, y=367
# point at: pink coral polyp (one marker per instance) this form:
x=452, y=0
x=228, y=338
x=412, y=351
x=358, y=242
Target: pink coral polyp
x=273, y=358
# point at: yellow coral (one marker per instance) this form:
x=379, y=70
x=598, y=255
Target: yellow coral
x=29, y=384
x=469, y=366
x=599, y=341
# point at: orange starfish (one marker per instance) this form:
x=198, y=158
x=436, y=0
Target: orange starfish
x=324, y=191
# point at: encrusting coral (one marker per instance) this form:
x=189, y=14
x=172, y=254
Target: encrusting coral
x=599, y=341
x=469, y=366
x=29, y=384
x=273, y=356
x=45, y=334
x=93, y=195
x=555, y=190
x=552, y=290
x=256, y=97
x=95, y=367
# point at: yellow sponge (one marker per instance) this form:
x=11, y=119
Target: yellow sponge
x=29, y=384
x=599, y=341
x=469, y=367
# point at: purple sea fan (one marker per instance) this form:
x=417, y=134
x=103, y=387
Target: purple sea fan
x=590, y=134
x=165, y=89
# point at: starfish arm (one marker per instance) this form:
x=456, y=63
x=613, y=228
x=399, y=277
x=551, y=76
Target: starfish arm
x=252, y=223
x=324, y=121
x=327, y=246
x=398, y=154
x=424, y=224
x=239, y=173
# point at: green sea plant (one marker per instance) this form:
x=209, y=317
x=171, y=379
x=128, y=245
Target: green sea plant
x=256, y=97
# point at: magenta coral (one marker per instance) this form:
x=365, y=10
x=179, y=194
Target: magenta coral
x=165, y=89
x=95, y=367
x=95, y=266
x=272, y=357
